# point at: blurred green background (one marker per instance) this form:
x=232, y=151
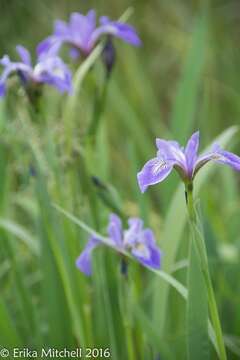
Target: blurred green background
x=184, y=77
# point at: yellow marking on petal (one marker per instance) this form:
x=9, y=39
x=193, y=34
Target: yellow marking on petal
x=142, y=249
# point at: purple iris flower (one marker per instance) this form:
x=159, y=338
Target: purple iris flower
x=138, y=241
x=82, y=34
x=48, y=70
x=186, y=161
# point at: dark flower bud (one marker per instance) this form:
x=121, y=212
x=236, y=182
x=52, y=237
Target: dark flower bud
x=124, y=267
x=23, y=78
x=109, y=55
x=32, y=170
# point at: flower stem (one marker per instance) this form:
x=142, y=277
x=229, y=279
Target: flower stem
x=125, y=309
x=189, y=202
x=98, y=111
x=200, y=243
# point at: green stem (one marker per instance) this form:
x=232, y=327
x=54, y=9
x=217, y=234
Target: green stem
x=189, y=201
x=125, y=308
x=90, y=150
x=205, y=269
x=98, y=111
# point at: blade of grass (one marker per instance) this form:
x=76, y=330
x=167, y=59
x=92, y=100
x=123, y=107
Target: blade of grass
x=182, y=118
x=197, y=309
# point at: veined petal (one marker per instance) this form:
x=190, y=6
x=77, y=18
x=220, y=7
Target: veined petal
x=24, y=54
x=220, y=156
x=84, y=262
x=153, y=172
x=191, y=150
x=115, y=231
x=146, y=250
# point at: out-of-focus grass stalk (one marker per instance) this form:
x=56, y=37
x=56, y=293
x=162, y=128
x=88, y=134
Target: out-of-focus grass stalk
x=126, y=312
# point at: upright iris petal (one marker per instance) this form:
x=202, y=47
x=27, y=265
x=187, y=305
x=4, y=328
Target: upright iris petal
x=191, y=151
x=186, y=161
x=82, y=33
x=115, y=230
x=24, y=55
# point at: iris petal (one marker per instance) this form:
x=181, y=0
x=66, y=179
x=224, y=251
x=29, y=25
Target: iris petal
x=146, y=250
x=153, y=172
x=220, y=156
x=123, y=31
x=191, y=152
x=24, y=55
x=84, y=262
x=115, y=230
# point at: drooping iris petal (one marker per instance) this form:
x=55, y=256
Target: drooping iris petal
x=228, y=158
x=191, y=151
x=123, y=31
x=10, y=68
x=146, y=251
x=153, y=172
x=84, y=262
x=115, y=230
x=220, y=156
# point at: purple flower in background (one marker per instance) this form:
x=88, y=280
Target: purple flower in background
x=171, y=155
x=48, y=70
x=82, y=34
x=138, y=241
